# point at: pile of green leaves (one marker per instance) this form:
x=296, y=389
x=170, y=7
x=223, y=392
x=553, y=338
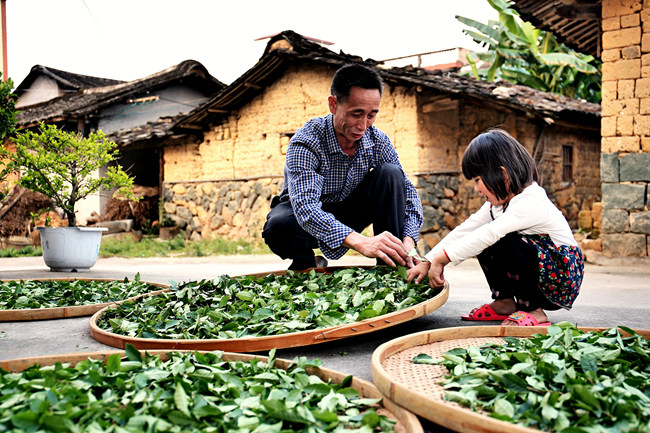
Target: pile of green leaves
x=259, y=306
x=190, y=392
x=567, y=381
x=23, y=294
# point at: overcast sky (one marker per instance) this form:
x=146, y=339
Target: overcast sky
x=130, y=39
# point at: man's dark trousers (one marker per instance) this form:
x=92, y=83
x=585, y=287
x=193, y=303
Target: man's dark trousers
x=380, y=200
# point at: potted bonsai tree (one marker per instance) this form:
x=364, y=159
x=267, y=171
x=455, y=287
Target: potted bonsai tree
x=63, y=166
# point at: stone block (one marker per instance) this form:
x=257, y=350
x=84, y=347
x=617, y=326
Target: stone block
x=584, y=220
x=645, y=43
x=431, y=239
x=642, y=88
x=641, y=125
x=644, y=107
x=615, y=221
x=184, y=214
x=608, y=126
x=610, y=24
x=624, y=245
x=620, y=107
x=178, y=188
x=620, y=144
x=597, y=214
x=625, y=89
x=622, y=69
x=610, y=90
x=621, y=38
x=645, y=144
x=622, y=196
x=116, y=226
x=609, y=167
x=625, y=125
x=430, y=216
x=170, y=208
x=635, y=167
x=216, y=222
x=632, y=20
x=640, y=222
x=592, y=244
x=631, y=52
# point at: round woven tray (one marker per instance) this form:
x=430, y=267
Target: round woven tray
x=293, y=339
x=63, y=312
x=415, y=386
x=407, y=422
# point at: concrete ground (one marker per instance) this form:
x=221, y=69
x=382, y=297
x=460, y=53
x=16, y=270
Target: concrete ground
x=614, y=292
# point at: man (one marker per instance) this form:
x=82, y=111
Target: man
x=341, y=175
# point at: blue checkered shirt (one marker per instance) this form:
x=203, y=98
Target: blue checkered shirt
x=318, y=171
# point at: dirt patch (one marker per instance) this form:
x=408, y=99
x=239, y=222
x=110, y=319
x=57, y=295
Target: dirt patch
x=19, y=206
x=142, y=212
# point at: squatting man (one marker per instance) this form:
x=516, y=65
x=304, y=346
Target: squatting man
x=341, y=175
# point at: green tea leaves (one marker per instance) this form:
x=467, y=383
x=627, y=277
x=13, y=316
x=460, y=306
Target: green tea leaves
x=567, y=380
x=26, y=294
x=251, y=306
x=173, y=396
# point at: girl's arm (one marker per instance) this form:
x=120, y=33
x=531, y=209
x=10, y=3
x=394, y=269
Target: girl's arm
x=476, y=220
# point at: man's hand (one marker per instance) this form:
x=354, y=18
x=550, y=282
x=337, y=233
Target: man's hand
x=384, y=246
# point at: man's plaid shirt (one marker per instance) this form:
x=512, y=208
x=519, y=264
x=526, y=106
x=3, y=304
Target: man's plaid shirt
x=318, y=171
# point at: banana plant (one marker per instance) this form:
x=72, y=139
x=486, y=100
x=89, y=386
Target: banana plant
x=518, y=52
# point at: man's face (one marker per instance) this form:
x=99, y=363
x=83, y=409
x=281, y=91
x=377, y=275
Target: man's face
x=354, y=115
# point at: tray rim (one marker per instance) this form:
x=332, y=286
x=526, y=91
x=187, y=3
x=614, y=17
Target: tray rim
x=458, y=419
x=281, y=341
x=408, y=419
x=26, y=314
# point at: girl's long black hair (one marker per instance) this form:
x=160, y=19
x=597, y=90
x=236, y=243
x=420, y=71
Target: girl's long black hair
x=490, y=151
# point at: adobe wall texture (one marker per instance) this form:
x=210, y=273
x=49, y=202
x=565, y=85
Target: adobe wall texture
x=223, y=185
x=625, y=163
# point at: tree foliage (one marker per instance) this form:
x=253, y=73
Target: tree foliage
x=63, y=166
x=520, y=53
x=7, y=128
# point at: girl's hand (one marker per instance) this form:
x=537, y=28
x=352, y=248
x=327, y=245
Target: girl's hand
x=436, y=270
x=436, y=274
x=417, y=272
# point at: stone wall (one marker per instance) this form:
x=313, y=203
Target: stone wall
x=237, y=208
x=233, y=208
x=625, y=128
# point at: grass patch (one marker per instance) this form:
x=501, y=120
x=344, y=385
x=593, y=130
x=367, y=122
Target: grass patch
x=26, y=251
x=178, y=247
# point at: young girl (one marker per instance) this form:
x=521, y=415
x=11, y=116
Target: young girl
x=523, y=242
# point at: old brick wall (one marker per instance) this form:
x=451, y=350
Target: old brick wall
x=625, y=128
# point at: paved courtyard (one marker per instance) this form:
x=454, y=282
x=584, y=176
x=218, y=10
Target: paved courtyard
x=614, y=292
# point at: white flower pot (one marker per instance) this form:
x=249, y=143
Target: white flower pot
x=70, y=249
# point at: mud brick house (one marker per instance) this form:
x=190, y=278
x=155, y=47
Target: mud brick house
x=617, y=31
x=137, y=115
x=221, y=183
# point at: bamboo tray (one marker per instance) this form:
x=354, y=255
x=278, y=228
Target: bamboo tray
x=64, y=312
x=283, y=341
x=414, y=386
x=407, y=422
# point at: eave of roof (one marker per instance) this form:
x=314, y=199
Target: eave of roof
x=273, y=63
x=87, y=101
x=576, y=23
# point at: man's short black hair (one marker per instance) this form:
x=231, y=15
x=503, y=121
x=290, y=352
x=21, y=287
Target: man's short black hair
x=354, y=75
